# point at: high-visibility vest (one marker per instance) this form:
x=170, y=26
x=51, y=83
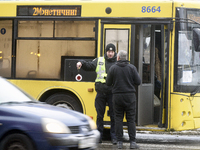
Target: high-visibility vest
x=101, y=70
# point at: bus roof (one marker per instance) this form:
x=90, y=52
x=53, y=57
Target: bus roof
x=97, y=8
x=103, y=0
x=100, y=1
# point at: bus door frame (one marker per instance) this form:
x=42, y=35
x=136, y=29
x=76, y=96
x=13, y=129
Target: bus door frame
x=163, y=119
x=145, y=105
x=119, y=26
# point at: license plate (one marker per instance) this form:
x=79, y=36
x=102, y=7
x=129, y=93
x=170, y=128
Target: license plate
x=87, y=142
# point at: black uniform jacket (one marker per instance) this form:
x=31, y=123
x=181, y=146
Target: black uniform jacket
x=123, y=76
x=91, y=66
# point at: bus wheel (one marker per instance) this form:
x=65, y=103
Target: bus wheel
x=16, y=142
x=65, y=101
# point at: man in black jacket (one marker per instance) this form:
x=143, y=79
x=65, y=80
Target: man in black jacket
x=104, y=92
x=123, y=77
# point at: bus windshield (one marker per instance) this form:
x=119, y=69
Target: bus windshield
x=187, y=72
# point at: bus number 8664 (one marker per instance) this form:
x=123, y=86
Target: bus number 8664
x=150, y=9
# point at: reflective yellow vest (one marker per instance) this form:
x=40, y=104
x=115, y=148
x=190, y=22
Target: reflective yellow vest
x=101, y=70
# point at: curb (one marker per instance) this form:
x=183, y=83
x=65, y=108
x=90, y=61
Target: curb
x=165, y=137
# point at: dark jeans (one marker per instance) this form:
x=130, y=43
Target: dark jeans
x=125, y=103
x=100, y=105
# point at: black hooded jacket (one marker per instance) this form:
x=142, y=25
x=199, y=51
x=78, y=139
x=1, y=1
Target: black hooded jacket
x=91, y=66
x=123, y=76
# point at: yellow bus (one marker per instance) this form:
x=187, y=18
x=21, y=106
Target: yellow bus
x=41, y=42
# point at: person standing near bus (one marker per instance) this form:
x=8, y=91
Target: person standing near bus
x=123, y=76
x=104, y=92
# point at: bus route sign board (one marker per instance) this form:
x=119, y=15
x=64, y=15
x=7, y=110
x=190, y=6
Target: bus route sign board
x=67, y=11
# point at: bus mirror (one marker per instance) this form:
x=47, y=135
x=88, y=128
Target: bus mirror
x=196, y=39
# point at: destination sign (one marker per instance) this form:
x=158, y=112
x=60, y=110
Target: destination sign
x=71, y=11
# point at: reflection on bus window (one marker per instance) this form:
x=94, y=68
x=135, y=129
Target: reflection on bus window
x=119, y=37
x=76, y=28
x=146, y=54
x=5, y=48
x=188, y=60
x=35, y=29
x=62, y=28
x=43, y=57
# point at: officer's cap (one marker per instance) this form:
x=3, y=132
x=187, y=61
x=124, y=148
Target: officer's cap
x=110, y=47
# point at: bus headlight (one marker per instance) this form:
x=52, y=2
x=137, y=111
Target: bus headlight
x=54, y=126
x=92, y=124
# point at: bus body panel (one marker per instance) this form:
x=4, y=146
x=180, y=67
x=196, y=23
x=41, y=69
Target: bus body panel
x=185, y=111
x=182, y=114
x=152, y=9
x=89, y=9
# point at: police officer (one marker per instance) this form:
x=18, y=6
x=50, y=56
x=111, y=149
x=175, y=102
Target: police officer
x=123, y=77
x=104, y=93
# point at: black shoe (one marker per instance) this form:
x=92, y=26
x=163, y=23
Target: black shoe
x=114, y=141
x=133, y=145
x=119, y=144
x=100, y=141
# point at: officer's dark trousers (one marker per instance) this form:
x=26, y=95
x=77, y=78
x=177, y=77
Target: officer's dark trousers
x=100, y=104
x=124, y=103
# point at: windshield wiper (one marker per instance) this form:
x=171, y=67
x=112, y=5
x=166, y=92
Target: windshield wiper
x=31, y=101
x=195, y=92
x=12, y=102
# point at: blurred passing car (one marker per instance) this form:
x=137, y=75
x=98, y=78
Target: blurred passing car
x=26, y=124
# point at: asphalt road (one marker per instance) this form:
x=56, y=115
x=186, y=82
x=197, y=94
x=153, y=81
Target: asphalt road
x=107, y=145
x=158, y=141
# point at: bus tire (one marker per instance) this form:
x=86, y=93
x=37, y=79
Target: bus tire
x=65, y=101
x=16, y=141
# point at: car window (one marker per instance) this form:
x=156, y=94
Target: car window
x=11, y=94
